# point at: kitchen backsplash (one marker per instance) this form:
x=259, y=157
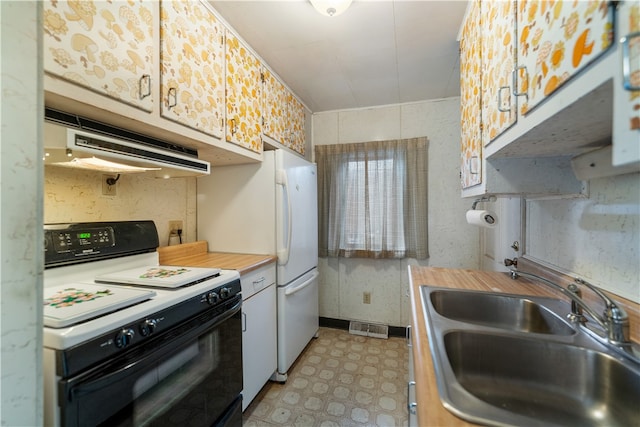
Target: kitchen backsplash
x=74, y=195
x=596, y=238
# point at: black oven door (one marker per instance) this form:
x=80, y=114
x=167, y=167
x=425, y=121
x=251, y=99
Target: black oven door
x=190, y=375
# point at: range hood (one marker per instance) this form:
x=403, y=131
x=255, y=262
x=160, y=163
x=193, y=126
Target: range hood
x=77, y=142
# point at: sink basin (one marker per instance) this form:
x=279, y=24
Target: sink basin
x=551, y=382
x=503, y=359
x=498, y=311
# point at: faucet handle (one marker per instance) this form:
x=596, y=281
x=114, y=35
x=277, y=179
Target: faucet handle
x=618, y=324
x=615, y=316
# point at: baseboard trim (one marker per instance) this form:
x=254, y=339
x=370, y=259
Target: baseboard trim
x=328, y=322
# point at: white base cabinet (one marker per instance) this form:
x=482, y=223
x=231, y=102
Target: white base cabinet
x=412, y=404
x=259, y=336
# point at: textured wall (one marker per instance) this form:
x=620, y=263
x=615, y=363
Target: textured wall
x=452, y=242
x=21, y=233
x=597, y=238
x=76, y=195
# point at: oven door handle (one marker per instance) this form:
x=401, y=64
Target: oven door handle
x=130, y=363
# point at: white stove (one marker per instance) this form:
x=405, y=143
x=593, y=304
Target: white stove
x=134, y=301
x=106, y=297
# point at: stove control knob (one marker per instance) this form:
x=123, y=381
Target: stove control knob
x=224, y=293
x=212, y=298
x=124, y=337
x=147, y=327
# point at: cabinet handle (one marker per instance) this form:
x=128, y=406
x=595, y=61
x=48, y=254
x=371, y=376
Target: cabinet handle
x=503, y=110
x=514, y=77
x=408, y=335
x=626, y=61
x=244, y=322
x=411, y=406
x=232, y=122
x=172, y=93
x=145, y=81
x=260, y=280
x=472, y=163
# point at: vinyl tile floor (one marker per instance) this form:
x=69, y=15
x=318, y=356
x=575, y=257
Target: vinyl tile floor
x=340, y=379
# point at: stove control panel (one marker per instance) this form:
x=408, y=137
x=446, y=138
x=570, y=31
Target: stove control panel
x=85, y=239
x=66, y=244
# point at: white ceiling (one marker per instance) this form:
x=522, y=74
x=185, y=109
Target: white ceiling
x=376, y=53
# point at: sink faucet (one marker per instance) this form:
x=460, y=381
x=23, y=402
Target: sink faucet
x=614, y=320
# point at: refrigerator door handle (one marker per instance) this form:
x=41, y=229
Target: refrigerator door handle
x=303, y=285
x=283, y=253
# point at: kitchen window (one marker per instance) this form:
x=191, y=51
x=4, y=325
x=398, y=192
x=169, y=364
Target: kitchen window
x=373, y=199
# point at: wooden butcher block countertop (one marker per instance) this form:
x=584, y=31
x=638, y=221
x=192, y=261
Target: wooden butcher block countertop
x=197, y=255
x=430, y=410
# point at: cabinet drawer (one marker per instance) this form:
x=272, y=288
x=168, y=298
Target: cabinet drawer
x=257, y=280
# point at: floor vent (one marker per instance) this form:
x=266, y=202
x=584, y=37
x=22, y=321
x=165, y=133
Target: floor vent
x=369, y=329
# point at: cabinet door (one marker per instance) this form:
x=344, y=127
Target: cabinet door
x=259, y=342
x=471, y=98
x=244, y=96
x=295, y=127
x=499, y=108
x=557, y=40
x=106, y=47
x=411, y=385
x=626, y=92
x=192, y=66
x=275, y=107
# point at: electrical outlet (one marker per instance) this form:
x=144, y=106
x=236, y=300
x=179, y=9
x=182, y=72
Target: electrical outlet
x=366, y=297
x=174, y=226
x=108, y=190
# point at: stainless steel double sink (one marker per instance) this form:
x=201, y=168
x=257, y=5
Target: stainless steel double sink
x=503, y=359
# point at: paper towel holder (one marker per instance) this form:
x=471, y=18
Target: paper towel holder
x=483, y=199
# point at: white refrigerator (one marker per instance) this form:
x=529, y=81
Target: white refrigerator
x=270, y=208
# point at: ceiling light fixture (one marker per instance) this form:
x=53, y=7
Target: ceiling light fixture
x=331, y=7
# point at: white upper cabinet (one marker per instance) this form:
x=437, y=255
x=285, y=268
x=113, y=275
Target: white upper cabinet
x=626, y=120
x=192, y=66
x=107, y=47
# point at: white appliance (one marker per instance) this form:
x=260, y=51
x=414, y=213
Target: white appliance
x=130, y=342
x=78, y=142
x=270, y=208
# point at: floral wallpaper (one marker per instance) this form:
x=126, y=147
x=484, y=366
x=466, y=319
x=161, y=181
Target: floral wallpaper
x=634, y=60
x=192, y=66
x=498, y=53
x=284, y=116
x=244, y=96
x=296, y=125
x=471, y=98
x=275, y=103
x=556, y=39
x=103, y=46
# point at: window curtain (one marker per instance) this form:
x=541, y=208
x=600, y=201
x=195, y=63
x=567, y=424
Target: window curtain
x=372, y=199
